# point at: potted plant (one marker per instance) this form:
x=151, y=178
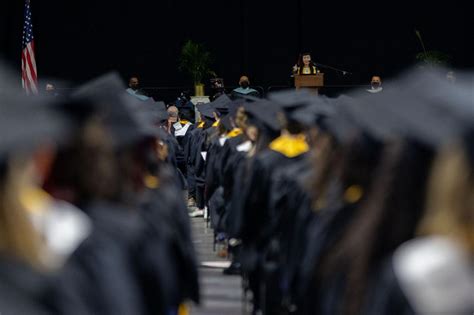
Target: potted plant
x=430, y=57
x=196, y=60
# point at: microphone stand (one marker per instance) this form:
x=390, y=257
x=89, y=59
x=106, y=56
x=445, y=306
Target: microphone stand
x=332, y=68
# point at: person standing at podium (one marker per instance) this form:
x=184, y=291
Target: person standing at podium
x=305, y=65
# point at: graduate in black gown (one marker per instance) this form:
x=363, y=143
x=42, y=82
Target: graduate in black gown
x=257, y=223
x=26, y=264
x=358, y=275
x=128, y=265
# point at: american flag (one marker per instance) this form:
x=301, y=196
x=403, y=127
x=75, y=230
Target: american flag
x=29, y=75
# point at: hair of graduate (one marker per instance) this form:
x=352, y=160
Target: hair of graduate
x=92, y=169
x=292, y=126
x=324, y=160
x=241, y=118
x=264, y=138
x=450, y=198
x=222, y=129
x=384, y=220
x=208, y=122
x=187, y=114
x=18, y=236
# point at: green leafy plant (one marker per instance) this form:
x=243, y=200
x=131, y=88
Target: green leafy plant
x=196, y=61
x=430, y=57
x=433, y=58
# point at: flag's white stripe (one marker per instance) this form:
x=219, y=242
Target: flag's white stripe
x=32, y=56
x=28, y=74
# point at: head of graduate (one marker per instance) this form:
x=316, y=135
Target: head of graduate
x=134, y=83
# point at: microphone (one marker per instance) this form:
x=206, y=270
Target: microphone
x=344, y=72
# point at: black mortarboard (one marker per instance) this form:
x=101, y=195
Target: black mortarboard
x=25, y=121
x=151, y=103
x=105, y=95
x=291, y=98
x=149, y=117
x=263, y=113
x=310, y=114
x=410, y=109
x=221, y=104
x=206, y=110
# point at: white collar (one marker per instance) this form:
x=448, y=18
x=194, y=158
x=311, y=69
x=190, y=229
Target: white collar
x=181, y=132
x=244, y=147
x=377, y=90
x=64, y=227
x=436, y=276
x=222, y=140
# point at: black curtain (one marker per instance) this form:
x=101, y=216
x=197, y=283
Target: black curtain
x=77, y=40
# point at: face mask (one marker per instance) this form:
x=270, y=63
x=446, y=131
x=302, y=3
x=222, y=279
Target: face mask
x=244, y=84
x=375, y=85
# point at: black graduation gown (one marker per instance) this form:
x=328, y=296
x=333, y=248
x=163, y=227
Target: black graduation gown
x=166, y=211
x=233, y=189
x=101, y=276
x=172, y=159
x=183, y=144
x=23, y=290
x=289, y=198
x=257, y=220
x=213, y=189
x=322, y=233
x=385, y=295
x=199, y=162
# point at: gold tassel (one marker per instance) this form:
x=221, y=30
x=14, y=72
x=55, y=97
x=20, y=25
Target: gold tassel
x=353, y=194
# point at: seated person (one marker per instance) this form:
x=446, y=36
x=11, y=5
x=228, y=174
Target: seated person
x=218, y=89
x=305, y=65
x=375, y=85
x=244, y=89
x=134, y=89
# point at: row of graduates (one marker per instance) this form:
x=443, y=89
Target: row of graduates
x=362, y=204
x=92, y=218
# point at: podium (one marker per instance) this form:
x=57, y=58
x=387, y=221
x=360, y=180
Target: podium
x=309, y=81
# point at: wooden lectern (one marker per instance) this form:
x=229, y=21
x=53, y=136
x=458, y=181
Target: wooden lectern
x=309, y=81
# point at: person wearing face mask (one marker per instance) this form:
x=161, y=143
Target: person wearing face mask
x=134, y=89
x=375, y=85
x=305, y=65
x=244, y=89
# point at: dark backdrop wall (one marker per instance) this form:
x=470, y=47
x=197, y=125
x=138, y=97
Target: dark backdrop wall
x=77, y=40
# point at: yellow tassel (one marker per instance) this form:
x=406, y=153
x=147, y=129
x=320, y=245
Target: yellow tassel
x=353, y=194
x=234, y=133
x=183, y=310
x=216, y=124
x=151, y=182
x=201, y=125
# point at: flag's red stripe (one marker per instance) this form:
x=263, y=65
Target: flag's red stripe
x=31, y=67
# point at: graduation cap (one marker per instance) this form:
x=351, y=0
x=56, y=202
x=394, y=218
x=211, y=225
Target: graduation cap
x=287, y=102
x=206, y=110
x=104, y=96
x=221, y=104
x=25, y=122
x=263, y=113
x=409, y=110
x=291, y=98
x=148, y=117
x=310, y=115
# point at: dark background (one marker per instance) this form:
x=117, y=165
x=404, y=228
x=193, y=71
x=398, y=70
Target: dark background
x=77, y=40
